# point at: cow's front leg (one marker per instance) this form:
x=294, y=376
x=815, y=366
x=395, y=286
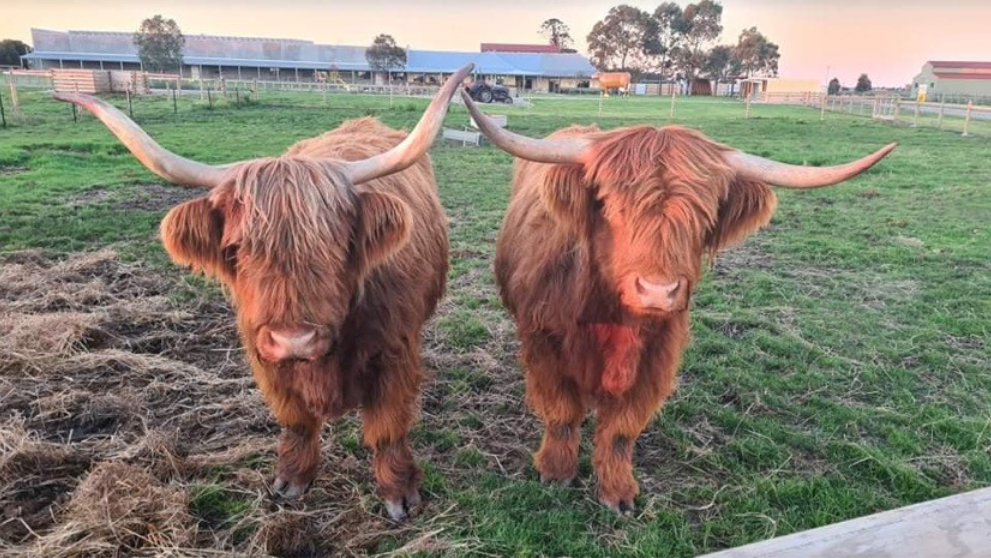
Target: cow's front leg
x=387, y=416
x=620, y=420
x=556, y=401
x=299, y=451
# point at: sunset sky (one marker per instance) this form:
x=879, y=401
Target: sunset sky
x=889, y=40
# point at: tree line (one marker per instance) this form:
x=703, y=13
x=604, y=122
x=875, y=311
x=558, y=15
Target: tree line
x=678, y=43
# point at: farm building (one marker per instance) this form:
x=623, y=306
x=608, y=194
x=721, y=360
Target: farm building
x=957, y=79
x=248, y=58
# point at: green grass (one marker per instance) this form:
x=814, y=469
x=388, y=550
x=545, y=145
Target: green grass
x=840, y=357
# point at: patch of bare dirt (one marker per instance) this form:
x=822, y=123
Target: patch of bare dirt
x=156, y=197
x=12, y=170
x=145, y=197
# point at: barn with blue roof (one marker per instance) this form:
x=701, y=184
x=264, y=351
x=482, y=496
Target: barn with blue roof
x=523, y=68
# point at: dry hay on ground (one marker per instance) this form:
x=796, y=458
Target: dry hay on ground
x=123, y=396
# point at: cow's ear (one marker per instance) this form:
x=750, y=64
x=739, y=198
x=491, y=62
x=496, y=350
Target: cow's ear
x=192, y=233
x=569, y=199
x=747, y=207
x=384, y=226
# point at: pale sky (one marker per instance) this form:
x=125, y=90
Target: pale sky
x=890, y=40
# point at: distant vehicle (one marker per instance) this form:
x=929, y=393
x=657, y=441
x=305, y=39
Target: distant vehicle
x=485, y=93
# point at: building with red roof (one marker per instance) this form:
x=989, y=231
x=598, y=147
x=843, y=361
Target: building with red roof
x=953, y=79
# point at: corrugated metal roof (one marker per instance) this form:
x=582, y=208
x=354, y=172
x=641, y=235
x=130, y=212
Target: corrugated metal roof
x=84, y=56
x=513, y=47
x=251, y=52
x=959, y=64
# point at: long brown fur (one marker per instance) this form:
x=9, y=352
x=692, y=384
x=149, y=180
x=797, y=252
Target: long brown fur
x=646, y=201
x=296, y=243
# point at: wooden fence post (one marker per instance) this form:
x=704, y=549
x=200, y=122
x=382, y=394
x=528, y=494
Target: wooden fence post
x=822, y=109
x=15, y=105
x=966, y=120
x=601, y=96
x=3, y=115
x=942, y=104
x=175, y=103
x=896, y=109
x=671, y=112
x=915, y=119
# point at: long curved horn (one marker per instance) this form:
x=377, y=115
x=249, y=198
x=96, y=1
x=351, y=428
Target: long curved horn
x=159, y=160
x=558, y=151
x=794, y=176
x=416, y=143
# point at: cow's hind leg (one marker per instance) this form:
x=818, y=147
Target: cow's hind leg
x=555, y=399
x=387, y=416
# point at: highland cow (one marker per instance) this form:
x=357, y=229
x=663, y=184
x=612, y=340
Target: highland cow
x=334, y=255
x=601, y=247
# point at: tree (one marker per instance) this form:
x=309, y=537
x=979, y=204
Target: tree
x=160, y=43
x=863, y=84
x=720, y=63
x=385, y=54
x=756, y=54
x=669, y=32
x=700, y=24
x=624, y=40
x=834, y=86
x=557, y=33
x=11, y=51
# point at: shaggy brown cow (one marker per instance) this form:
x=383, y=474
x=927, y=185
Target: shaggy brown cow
x=597, y=258
x=335, y=255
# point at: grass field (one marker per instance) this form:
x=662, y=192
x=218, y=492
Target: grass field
x=840, y=362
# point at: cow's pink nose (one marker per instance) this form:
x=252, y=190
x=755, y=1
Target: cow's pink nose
x=661, y=295
x=277, y=344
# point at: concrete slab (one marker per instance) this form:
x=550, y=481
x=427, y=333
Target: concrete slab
x=957, y=526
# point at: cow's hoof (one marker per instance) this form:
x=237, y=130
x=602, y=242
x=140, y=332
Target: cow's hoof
x=285, y=490
x=400, y=508
x=619, y=507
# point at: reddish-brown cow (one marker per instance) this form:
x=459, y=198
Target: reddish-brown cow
x=335, y=255
x=597, y=258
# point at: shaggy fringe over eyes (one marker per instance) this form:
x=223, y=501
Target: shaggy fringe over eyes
x=292, y=213
x=680, y=174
